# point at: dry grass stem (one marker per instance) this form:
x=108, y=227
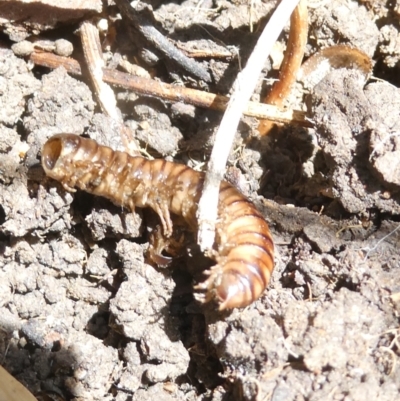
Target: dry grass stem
x=243, y=88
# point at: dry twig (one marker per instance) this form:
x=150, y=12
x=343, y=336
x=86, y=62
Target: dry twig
x=150, y=87
x=159, y=41
x=291, y=61
x=104, y=94
x=243, y=89
x=95, y=64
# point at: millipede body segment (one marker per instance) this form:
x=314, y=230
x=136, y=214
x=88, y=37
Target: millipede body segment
x=244, y=246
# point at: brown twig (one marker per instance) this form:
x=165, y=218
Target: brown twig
x=159, y=41
x=150, y=87
x=291, y=62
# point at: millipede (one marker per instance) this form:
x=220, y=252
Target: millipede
x=244, y=249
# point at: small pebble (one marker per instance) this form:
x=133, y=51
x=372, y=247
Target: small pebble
x=63, y=47
x=23, y=48
x=102, y=25
x=150, y=58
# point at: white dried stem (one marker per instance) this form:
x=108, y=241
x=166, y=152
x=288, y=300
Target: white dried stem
x=243, y=88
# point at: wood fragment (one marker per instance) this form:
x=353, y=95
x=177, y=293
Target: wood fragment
x=95, y=64
x=150, y=87
x=11, y=389
x=291, y=62
x=94, y=61
x=243, y=89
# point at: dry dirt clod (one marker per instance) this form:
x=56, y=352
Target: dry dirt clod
x=344, y=116
x=83, y=316
x=21, y=18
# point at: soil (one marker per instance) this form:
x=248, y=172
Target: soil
x=83, y=315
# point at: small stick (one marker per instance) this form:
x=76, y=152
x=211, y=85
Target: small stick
x=242, y=90
x=95, y=63
x=291, y=62
x=150, y=87
x=160, y=42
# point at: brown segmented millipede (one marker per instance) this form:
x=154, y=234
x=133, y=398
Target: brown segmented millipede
x=244, y=246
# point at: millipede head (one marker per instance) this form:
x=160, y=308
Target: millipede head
x=56, y=147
